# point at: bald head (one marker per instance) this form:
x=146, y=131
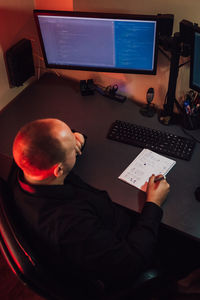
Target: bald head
x=40, y=145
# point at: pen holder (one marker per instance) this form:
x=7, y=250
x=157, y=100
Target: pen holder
x=191, y=122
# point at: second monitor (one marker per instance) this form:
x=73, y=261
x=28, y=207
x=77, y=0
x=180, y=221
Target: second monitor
x=195, y=61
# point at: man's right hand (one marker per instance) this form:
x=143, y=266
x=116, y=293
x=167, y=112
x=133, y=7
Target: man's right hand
x=157, y=191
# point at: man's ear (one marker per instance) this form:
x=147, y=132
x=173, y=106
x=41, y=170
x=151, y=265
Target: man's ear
x=58, y=170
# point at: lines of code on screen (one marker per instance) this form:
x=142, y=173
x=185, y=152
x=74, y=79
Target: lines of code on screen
x=96, y=42
x=135, y=43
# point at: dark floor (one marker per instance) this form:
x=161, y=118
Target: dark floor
x=13, y=289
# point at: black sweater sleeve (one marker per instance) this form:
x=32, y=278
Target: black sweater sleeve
x=143, y=237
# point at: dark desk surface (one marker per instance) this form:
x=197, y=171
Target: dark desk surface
x=104, y=160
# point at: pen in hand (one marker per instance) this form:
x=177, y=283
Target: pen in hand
x=159, y=178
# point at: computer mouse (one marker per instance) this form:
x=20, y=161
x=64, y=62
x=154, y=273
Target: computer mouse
x=197, y=193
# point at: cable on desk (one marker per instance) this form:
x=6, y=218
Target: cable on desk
x=190, y=135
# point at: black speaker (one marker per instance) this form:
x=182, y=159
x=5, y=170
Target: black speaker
x=19, y=61
x=186, y=31
x=165, y=24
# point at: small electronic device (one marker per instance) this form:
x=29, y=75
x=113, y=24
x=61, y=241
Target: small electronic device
x=150, y=95
x=195, y=60
x=19, y=62
x=149, y=110
x=122, y=43
x=87, y=87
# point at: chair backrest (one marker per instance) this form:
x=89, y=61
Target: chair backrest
x=18, y=254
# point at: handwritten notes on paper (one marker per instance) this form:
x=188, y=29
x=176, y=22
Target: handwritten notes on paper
x=143, y=166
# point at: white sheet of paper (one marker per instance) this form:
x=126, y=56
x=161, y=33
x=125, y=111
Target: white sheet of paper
x=143, y=166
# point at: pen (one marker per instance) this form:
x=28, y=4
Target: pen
x=159, y=178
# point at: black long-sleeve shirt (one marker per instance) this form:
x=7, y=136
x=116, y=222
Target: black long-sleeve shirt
x=80, y=226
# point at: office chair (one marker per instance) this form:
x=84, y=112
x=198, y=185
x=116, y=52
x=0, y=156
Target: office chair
x=40, y=277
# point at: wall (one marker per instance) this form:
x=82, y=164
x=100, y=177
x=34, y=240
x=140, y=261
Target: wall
x=54, y=4
x=16, y=22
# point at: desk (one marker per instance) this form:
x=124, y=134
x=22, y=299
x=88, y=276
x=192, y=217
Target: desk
x=104, y=160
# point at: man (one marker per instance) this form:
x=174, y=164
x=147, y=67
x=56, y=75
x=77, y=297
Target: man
x=75, y=224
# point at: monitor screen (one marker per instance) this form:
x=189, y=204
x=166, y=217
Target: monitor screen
x=195, y=61
x=98, y=41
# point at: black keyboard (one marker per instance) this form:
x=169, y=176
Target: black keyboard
x=153, y=139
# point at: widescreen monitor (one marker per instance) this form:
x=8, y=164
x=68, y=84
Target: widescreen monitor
x=120, y=43
x=195, y=61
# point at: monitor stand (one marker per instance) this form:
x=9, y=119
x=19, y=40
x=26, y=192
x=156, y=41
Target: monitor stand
x=166, y=116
